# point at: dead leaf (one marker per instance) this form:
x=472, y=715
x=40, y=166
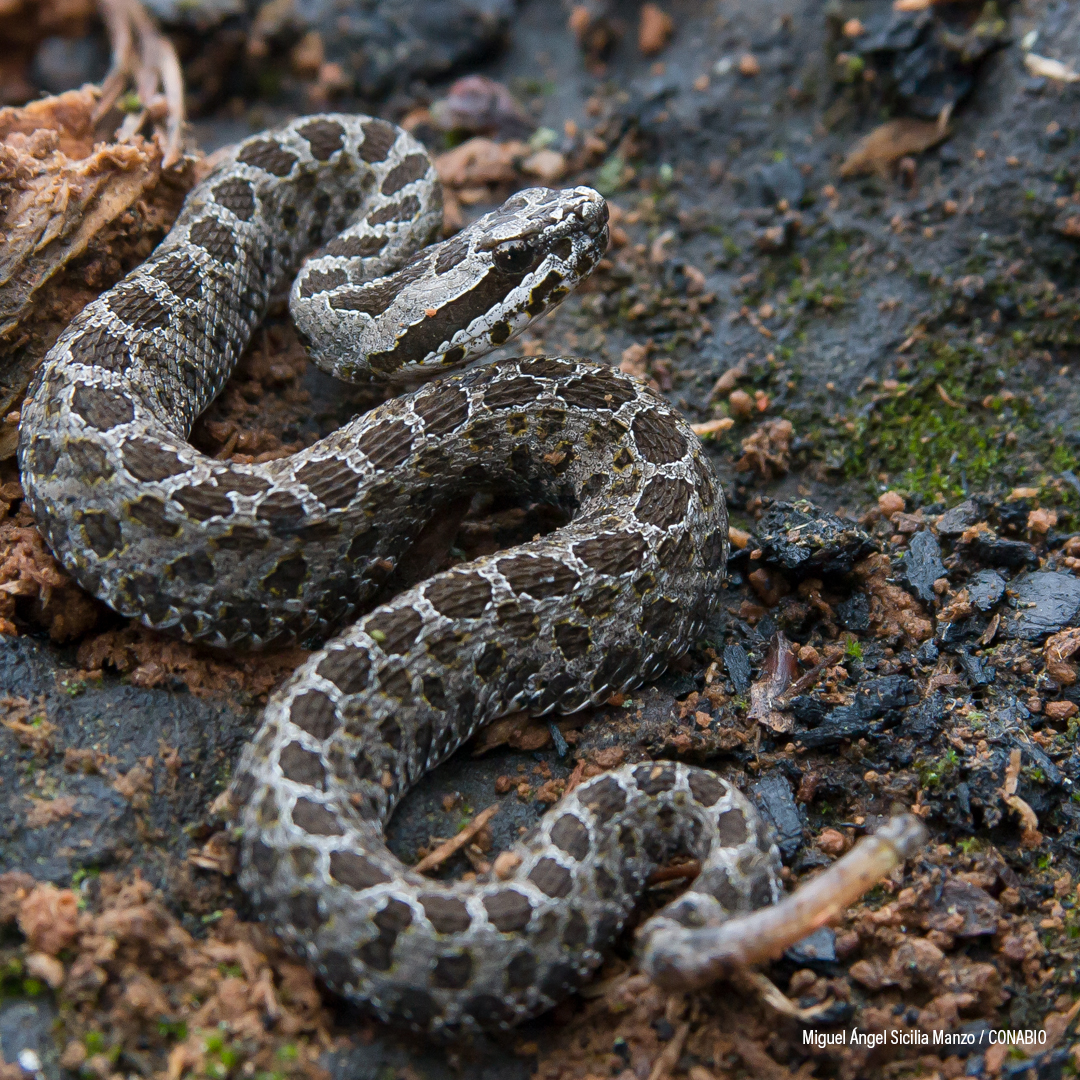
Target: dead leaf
x=780, y=668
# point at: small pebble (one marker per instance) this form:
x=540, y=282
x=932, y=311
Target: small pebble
x=742, y=404
x=891, y=502
x=29, y=1061
x=1060, y=710
x=1041, y=522
x=832, y=842
x=506, y=862
x=654, y=30
x=749, y=65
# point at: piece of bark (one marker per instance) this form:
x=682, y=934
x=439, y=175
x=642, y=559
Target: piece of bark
x=78, y=212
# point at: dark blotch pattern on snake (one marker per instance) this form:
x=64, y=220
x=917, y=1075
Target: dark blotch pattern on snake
x=245, y=555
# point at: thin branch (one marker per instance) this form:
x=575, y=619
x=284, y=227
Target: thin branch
x=142, y=55
x=456, y=843
x=122, y=42
x=806, y=682
x=668, y=1058
x=678, y=958
x=676, y=872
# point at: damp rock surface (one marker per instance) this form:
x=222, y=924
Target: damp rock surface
x=807, y=539
x=1043, y=604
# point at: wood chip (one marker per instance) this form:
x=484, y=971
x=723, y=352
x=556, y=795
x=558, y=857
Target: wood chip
x=1047, y=68
x=711, y=428
x=728, y=381
x=887, y=143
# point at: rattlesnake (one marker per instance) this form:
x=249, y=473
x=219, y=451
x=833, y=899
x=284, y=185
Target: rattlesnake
x=252, y=554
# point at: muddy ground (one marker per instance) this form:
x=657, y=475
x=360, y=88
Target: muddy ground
x=915, y=327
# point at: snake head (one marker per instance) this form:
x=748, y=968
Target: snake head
x=458, y=300
x=517, y=263
x=542, y=229
x=472, y=293
x=539, y=231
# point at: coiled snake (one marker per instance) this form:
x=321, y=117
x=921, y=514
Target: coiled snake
x=253, y=554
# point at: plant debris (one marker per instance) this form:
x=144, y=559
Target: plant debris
x=76, y=212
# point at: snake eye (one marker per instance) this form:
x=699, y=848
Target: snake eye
x=515, y=257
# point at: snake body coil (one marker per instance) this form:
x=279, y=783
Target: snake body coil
x=241, y=555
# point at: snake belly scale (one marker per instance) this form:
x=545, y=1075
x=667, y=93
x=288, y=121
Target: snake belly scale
x=241, y=555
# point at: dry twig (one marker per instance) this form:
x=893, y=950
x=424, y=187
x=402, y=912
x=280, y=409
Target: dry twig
x=143, y=55
x=764, y=988
x=456, y=843
x=681, y=959
x=677, y=872
x=805, y=683
x=665, y=1063
x=1029, y=822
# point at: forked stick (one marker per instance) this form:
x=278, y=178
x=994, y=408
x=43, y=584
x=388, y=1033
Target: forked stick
x=143, y=55
x=678, y=958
